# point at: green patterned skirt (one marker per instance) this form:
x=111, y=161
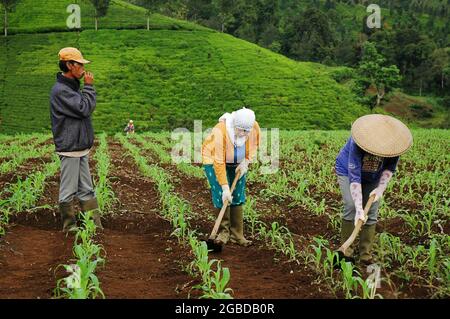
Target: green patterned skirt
x=216, y=189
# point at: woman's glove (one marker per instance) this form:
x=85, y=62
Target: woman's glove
x=226, y=194
x=356, y=192
x=382, y=185
x=243, y=167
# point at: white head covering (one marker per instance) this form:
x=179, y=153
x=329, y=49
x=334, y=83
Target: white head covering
x=243, y=119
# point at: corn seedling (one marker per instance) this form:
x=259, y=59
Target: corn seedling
x=82, y=283
x=349, y=282
x=317, y=249
x=279, y=238
x=4, y=219
x=432, y=259
x=219, y=282
x=25, y=193
x=213, y=282
x=251, y=216
x=368, y=289
x=104, y=193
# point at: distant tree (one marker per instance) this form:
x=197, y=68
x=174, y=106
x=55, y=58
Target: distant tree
x=314, y=3
x=175, y=8
x=413, y=48
x=308, y=36
x=441, y=64
x=270, y=37
x=246, y=16
x=346, y=52
x=8, y=6
x=151, y=6
x=266, y=24
x=385, y=44
x=375, y=74
x=225, y=10
x=330, y=4
x=199, y=10
x=423, y=75
x=101, y=8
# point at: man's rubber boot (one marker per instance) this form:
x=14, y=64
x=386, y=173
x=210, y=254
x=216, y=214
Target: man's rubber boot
x=366, y=240
x=347, y=227
x=223, y=234
x=237, y=226
x=68, y=216
x=92, y=205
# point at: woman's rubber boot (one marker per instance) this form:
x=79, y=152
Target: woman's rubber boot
x=223, y=235
x=237, y=226
x=347, y=227
x=366, y=240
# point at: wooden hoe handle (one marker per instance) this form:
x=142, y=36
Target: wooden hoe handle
x=224, y=207
x=358, y=226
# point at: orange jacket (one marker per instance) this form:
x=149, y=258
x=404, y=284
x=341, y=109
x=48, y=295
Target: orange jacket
x=217, y=148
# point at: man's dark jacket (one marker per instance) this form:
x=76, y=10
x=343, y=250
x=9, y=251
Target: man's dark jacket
x=70, y=111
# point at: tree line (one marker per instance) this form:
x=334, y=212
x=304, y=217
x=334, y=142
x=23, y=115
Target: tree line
x=414, y=35
x=412, y=46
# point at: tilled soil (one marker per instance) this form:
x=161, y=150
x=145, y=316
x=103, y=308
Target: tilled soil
x=300, y=222
x=256, y=272
x=142, y=260
x=32, y=250
x=29, y=257
x=20, y=173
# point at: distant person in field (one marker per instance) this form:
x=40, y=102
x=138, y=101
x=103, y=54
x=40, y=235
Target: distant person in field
x=230, y=148
x=364, y=167
x=129, y=129
x=71, y=109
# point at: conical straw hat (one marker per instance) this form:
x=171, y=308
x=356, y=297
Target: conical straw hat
x=382, y=135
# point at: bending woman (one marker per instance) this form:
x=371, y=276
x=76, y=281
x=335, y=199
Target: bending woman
x=230, y=147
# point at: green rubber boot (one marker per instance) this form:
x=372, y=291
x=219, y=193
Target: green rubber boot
x=346, y=230
x=366, y=240
x=224, y=229
x=237, y=226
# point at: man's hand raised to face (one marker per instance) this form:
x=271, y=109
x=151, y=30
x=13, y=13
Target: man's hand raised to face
x=88, y=78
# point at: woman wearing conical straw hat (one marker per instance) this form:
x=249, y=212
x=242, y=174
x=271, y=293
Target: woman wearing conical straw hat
x=364, y=166
x=230, y=148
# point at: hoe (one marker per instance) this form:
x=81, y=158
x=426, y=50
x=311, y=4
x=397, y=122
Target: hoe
x=342, y=251
x=212, y=244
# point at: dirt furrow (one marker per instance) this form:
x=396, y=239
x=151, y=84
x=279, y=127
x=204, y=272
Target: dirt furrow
x=22, y=171
x=256, y=272
x=142, y=260
x=32, y=249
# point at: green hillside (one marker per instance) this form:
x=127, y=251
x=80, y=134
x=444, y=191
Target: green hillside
x=166, y=78
x=50, y=15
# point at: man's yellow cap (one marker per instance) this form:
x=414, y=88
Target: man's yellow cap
x=72, y=54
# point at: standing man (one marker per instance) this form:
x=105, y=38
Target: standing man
x=73, y=135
